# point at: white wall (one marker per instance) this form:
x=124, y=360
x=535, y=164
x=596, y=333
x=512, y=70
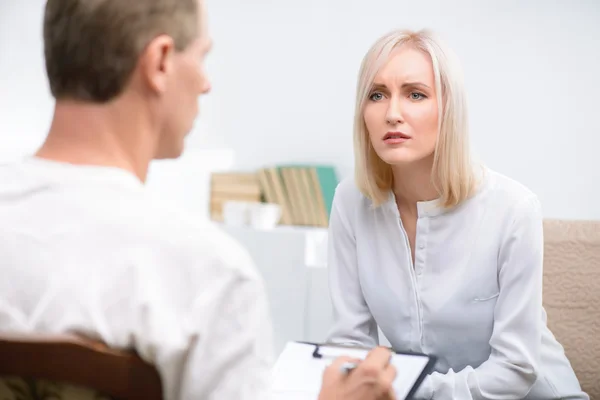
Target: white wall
x=284, y=76
x=285, y=80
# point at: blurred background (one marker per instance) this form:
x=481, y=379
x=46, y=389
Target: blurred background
x=284, y=75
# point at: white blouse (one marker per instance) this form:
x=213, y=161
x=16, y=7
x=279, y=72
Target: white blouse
x=473, y=297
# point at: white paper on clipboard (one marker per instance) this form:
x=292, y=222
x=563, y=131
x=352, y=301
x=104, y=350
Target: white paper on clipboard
x=297, y=374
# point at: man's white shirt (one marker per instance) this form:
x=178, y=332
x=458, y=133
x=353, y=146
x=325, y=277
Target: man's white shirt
x=85, y=249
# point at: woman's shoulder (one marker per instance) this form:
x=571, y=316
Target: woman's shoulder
x=348, y=195
x=508, y=193
x=506, y=187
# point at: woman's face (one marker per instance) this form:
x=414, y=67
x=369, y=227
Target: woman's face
x=401, y=113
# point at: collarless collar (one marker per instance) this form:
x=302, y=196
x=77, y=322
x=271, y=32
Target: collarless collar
x=86, y=173
x=430, y=208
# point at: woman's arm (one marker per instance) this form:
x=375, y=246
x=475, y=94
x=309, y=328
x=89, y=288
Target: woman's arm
x=353, y=323
x=512, y=368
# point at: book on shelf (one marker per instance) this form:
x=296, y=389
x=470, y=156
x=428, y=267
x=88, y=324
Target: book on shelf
x=232, y=186
x=304, y=192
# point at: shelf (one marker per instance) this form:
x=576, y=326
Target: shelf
x=313, y=240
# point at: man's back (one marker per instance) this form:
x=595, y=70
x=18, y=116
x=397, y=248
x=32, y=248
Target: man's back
x=84, y=249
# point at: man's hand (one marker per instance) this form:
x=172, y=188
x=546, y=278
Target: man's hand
x=370, y=380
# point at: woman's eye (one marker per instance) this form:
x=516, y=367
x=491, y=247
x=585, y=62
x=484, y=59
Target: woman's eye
x=376, y=96
x=417, y=96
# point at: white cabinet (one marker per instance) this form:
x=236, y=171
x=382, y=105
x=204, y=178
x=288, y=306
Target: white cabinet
x=292, y=262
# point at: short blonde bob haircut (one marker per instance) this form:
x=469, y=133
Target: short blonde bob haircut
x=453, y=174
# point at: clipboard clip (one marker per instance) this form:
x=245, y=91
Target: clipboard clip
x=317, y=353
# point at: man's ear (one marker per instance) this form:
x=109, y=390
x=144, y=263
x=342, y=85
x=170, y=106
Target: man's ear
x=156, y=62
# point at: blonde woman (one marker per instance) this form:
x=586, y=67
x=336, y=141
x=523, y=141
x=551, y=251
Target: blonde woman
x=444, y=256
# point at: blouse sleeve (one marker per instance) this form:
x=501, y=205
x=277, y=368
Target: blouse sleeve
x=353, y=323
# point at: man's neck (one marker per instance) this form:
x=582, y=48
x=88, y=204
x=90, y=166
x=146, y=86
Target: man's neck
x=412, y=183
x=103, y=135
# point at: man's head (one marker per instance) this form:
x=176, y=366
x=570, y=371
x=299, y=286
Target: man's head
x=148, y=51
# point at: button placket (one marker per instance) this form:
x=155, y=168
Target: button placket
x=421, y=236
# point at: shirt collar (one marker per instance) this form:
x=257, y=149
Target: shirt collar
x=89, y=174
x=430, y=208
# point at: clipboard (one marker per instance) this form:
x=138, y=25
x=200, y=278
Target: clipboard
x=299, y=369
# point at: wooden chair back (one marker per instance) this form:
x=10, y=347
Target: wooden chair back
x=26, y=361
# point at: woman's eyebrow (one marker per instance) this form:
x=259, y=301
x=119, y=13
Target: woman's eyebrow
x=415, y=85
x=378, y=86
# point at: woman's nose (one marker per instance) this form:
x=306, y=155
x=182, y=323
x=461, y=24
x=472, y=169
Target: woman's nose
x=394, y=114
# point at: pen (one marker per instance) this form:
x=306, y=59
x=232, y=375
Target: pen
x=347, y=367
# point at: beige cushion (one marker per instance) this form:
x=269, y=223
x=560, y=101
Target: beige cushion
x=572, y=295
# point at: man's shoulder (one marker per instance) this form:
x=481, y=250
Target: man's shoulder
x=206, y=240
x=118, y=213
x=191, y=237
x=194, y=235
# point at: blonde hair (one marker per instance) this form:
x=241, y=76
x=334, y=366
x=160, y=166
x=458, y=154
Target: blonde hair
x=453, y=174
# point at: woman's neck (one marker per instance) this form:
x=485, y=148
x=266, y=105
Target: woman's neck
x=413, y=183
